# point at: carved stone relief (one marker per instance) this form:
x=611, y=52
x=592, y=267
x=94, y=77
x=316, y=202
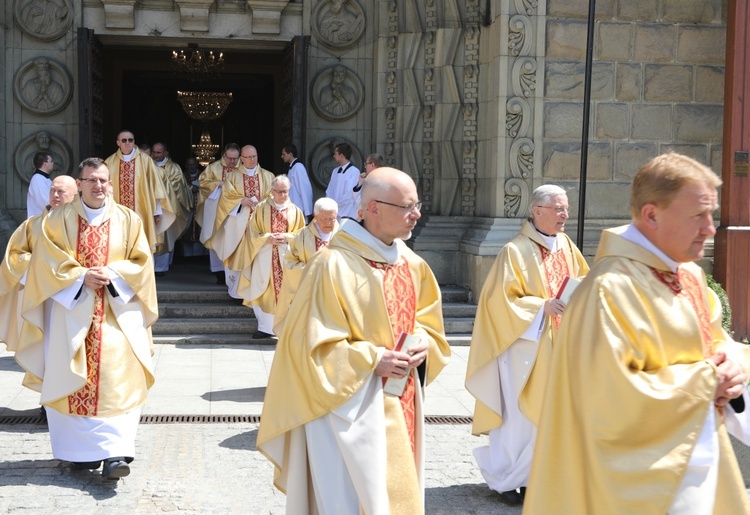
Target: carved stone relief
x=42, y=141
x=338, y=24
x=336, y=93
x=43, y=86
x=44, y=19
x=322, y=161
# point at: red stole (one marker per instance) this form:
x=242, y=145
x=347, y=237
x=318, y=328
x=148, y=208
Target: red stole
x=251, y=187
x=320, y=243
x=401, y=304
x=279, y=223
x=92, y=250
x=224, y=171
x=126, y=184
x=555, y=270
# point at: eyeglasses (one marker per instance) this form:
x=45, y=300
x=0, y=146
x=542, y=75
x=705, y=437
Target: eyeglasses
x=282, y=192
x=127, y=140
x=409, y=208
x=94, y=181
x=558, y=210
x=246, y=157
x=369, y=163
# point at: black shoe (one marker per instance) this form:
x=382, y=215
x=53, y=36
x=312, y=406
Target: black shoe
x=115, y=468
x=257, y=335
x=221, y=278
x=43, y=414
x=160, y=274
x=511, y=497
x=85, y=465
x=523, y=492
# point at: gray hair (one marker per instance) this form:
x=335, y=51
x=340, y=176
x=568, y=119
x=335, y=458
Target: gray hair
x=281, y=178
x=542, y=195
x=325, y=204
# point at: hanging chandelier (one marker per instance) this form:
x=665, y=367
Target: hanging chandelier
x=197, y=65
x=205, y=151
x=203, y=105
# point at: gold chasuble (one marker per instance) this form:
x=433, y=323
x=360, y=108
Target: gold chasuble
x=301, y=249
x=524, y=275
x=139, y=185
x=264, y=290
x=14, y=266
x=350, y=304
x=238, y=185
x=181, y=200
x=630, y=389
x=208, y=180
x=98, y=360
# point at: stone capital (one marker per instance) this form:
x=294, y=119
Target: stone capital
x=267, y=15
x=194, y=15
x=119, y=14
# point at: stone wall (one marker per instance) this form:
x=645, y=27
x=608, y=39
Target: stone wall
x=657, y=85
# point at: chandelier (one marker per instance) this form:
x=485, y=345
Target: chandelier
x=205, y=151
x=195, y=65
x=204, y=106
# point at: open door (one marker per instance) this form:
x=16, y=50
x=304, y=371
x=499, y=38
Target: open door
x=90, y=84
x=294, y=93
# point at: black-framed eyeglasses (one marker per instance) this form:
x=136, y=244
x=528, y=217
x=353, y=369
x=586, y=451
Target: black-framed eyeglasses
x=246, y=157
x=409, y=208
x=92, y=180
x=127, y=140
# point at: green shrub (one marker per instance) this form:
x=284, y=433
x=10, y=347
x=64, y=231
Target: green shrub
x=726, y=309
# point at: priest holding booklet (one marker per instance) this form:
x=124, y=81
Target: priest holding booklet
x=518, y=315
x=338, y=442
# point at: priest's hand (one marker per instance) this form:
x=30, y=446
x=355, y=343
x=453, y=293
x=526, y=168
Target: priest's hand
x=554, y=308
x=731, y=379
x=96, y=277
x=276, y=238
x=157, y=219
x=248, y=201
x=393, y=364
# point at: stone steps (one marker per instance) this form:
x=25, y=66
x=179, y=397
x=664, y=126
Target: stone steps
x=209, y=316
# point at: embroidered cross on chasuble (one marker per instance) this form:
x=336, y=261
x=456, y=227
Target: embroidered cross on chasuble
x=279, y=223
x=126, y=184
x=686, y=284
x=401, y=304
x=555, y=270
x=92, y=250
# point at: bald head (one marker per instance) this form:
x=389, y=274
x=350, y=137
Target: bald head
x=389, y=204
x=62, y=191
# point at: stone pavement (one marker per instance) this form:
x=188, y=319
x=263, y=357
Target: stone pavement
x=214, y=467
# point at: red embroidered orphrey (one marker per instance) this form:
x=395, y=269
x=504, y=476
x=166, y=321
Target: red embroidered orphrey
x=319, y=244
x=224, y=171
x=92, y=250
x=279, y=223
x=401, y=304
x=126, y=184
x=555, y=270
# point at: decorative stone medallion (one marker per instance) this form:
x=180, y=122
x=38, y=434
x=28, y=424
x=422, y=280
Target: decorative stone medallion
x=42, y=141
x=338, y=24
x=44, y=19
x=43, y=86
x=336, y=93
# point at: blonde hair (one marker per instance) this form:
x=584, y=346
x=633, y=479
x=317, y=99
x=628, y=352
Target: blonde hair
x=659, y=180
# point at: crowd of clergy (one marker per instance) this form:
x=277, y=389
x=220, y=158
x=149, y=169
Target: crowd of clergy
x=608, y=387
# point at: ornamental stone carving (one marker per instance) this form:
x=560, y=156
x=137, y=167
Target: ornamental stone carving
x=42, y=141
x=44, y=19
x=323, y=163
x=338, y=24
x=43, y=86
x=336, y=93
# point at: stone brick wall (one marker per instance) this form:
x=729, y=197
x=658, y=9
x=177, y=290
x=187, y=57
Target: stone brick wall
x=657, y=85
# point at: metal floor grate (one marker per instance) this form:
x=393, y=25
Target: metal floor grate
x=213, y=419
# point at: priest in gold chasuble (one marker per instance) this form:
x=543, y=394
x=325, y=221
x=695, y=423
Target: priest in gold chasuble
x=644, y=384
x=17, y=258
x=138, y=184
x=338, y=443
x=313, y=237
x=514, y=331
x=88, y=307
x=257, y=265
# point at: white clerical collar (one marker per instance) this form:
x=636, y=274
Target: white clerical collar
x=162, y=162
x=280, y=207
x=325, y=236
x=251, y=171
x=633, y=235
x=94, y=215
x=551, y=241
x=388, y=252
x=129, y=157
